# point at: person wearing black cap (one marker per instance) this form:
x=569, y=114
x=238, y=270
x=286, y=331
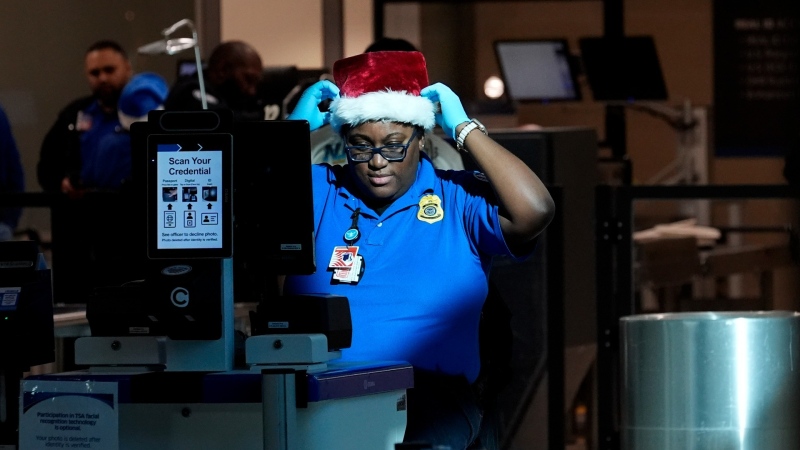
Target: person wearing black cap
x=410, y=245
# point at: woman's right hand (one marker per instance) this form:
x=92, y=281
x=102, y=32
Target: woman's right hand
x=308, y=106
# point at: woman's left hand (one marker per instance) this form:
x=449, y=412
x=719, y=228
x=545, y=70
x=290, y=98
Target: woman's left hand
x=450, y=113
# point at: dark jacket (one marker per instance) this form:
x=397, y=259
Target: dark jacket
x=60, y=153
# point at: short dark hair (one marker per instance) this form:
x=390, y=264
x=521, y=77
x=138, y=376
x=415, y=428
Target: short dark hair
x=107, y=44
x=230, y=54
x=391, y=44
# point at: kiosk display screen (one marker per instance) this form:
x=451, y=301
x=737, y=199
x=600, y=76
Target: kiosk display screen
x=537, y=70
x=189, y=195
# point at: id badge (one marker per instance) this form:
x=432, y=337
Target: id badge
x=343, y=257
x=347, y=264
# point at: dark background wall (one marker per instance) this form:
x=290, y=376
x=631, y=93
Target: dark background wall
x=42, y=45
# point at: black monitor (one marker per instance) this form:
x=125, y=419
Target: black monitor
x=209, y=191
x=623, y=68
x=271, y=222
x=537, y=70
x=272, y=206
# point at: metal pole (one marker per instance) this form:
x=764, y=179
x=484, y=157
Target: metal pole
x=278, y=401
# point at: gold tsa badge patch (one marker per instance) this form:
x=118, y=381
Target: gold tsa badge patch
x=430, y=209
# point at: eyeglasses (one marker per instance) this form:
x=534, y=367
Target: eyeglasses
x=390, y=152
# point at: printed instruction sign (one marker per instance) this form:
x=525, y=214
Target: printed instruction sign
x=189, y=198
x=68, y=415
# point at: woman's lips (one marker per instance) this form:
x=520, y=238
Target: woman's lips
x=379, y=180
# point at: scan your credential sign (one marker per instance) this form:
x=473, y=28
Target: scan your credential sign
x=189, y=195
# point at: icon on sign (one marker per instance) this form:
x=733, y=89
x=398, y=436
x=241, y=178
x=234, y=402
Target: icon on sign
x=170, y=219
x=188, y=219
x=209, y=218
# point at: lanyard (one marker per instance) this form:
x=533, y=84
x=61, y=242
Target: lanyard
x=352, y=234
x=348, y=266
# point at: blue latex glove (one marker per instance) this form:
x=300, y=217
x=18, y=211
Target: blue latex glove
x=450, y=112
x=308, y=106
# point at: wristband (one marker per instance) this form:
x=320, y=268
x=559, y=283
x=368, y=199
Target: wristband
x=472, y=125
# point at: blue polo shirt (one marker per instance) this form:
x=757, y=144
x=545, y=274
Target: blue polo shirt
x=425, y=281
x=105, y=149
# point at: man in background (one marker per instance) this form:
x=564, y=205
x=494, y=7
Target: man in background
x=232, y=80
x=86, y=157
x=69, y=147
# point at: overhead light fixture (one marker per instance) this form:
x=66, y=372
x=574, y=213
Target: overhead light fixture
x=172, y=46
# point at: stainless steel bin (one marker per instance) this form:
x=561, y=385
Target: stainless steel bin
x=710, y=380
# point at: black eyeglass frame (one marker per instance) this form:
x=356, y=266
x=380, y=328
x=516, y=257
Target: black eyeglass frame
x=371, y=151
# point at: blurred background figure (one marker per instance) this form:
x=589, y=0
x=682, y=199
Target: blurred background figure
x=145, y=92
x=12, y=177
x=327, y=146
x=117, y=260
x=110, y=165
x=86, y=155
x=69, y=147
x=232, y=77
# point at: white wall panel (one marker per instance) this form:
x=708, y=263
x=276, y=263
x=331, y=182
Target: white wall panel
x=283, y=32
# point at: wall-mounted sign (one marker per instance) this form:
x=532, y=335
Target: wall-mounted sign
x=756, y=77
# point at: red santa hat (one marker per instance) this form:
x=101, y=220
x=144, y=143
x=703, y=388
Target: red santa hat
x=381, y=86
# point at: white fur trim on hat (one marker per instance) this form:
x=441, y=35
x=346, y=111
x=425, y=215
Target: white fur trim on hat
x=394, y=106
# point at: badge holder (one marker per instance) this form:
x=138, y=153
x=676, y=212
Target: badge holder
x=346, y=264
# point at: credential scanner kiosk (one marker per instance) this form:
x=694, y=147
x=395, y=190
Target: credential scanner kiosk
x=160, y=361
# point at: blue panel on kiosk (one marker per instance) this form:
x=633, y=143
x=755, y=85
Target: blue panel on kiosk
x=343, y=381
x=357, y=379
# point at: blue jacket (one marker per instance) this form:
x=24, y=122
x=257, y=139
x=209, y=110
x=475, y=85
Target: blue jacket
x=12, y=176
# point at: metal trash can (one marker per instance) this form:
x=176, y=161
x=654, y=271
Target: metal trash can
x=710, y=380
